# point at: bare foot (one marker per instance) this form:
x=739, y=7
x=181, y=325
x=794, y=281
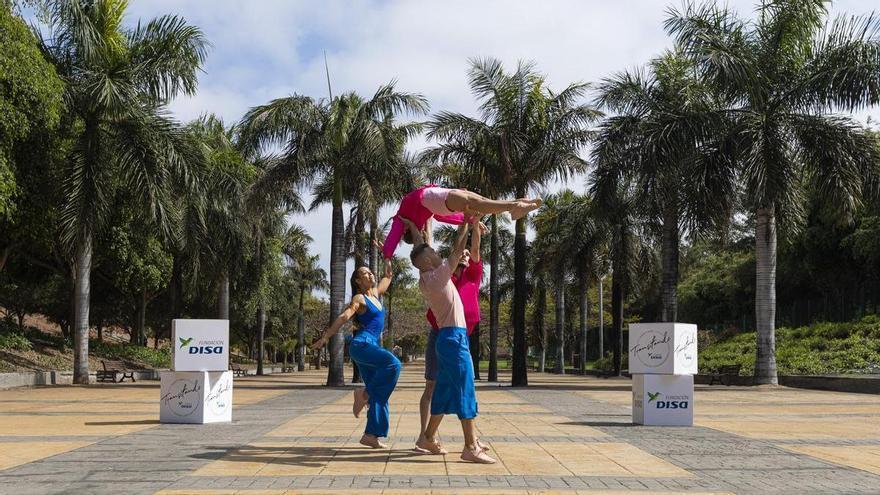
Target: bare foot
x=476, y=455
x=521, y=209
x=372, y=441
x=426, y=446
x=361, y=397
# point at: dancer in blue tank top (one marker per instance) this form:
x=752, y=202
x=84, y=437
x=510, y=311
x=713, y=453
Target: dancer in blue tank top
x=379, y=368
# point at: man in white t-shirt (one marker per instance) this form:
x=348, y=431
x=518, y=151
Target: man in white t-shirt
x=454, y=391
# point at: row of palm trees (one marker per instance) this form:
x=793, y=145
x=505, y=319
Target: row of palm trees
x=739, y=114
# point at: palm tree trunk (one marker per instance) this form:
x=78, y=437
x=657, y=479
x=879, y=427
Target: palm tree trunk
x=669, y=256
x=261, y=334
x=584, y=314
x=520, y=350
x=335, y=371
x=374, y=233
x=493, y=302
x=82, y=296
x=360, y=251
x=601, y=319
x=538, y=314
x=301, y=333
x=765, y=296
x=560, y=322
x=223, y=296
x=618, y=279
x=142, y=319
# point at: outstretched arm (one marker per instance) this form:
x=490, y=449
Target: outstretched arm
x=387, y=277
x=458, y=246
x=340, y=320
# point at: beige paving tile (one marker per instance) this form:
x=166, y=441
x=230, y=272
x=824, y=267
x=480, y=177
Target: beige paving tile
x=528, y=458
x=18, y=453
x=854, y=427
x=15, y=425
x=409, y=462
x=864, y=457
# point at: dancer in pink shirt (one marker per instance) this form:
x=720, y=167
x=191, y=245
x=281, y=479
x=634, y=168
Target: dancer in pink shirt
x=447, y=206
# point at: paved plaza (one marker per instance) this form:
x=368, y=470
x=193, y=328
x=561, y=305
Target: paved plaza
x=563, y=434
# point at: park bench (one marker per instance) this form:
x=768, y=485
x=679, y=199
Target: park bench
x=727, y=371
x=113, y=368
x=237, y=370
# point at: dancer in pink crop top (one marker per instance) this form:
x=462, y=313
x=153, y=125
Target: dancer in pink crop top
x=448, y=206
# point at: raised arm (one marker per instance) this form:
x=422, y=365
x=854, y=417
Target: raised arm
x=343, y=318
x=476, y=236
x=387, y=277
x=428, y=232
x=458, y=245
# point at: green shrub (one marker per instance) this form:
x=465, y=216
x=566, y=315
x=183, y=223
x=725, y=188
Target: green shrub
x=14, y=341
x=154, y=358
x=821, y=348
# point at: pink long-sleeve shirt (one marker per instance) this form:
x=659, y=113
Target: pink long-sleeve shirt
x=468, y=286
x=411, y=208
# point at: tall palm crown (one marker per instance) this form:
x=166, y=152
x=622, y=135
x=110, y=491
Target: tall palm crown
x=526, y=136
x=785, y=74
x=116, y=82
x=662, y=126
x=326, y=144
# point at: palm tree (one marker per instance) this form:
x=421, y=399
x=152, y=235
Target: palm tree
x=117, y=81
x=324, y=143
x=661, y=120
x=530, y=135
x=616, y=203
x=550, y=248
x=785, y=73
x=216, y=230
x=310, y=276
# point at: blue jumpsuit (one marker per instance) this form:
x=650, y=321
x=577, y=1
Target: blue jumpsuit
x=379, y=368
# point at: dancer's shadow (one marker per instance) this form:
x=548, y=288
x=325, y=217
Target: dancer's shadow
x=307, y=456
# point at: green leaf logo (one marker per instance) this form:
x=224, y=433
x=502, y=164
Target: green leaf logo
x=184, y=342
x=652, y=397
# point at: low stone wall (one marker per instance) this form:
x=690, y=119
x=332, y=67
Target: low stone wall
x=868, y=384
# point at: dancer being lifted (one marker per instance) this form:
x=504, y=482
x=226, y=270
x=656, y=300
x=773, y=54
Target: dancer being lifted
x=454, y=391
x=448, y=206
x=379, y=368
x=467, y=277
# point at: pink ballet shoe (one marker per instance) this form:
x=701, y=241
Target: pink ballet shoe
x=426, y=446
x=476, y=455
x=483, y=447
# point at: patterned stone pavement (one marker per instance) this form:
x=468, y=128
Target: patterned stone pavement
x=562, y=434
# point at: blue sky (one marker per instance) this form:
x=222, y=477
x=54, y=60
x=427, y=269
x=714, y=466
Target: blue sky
x=264, y=49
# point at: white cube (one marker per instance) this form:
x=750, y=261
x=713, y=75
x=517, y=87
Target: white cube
x=200, y=345
x=195, y=397
x=663, y=400
x=663, y=348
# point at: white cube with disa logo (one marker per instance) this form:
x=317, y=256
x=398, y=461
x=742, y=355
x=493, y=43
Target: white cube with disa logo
x=195, y=397
x=663, y=400
x=663, y=348
x=200, y=345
